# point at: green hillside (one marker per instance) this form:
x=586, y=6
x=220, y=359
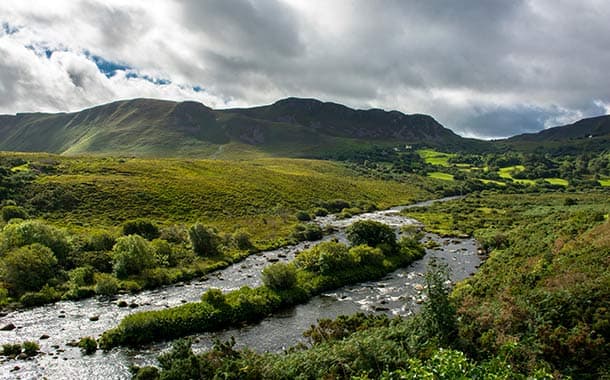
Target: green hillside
x=157, y=128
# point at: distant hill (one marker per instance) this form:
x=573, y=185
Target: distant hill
x=289, y=127
x=592, y=134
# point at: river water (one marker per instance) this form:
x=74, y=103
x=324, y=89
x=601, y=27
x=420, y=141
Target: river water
x=399, y=293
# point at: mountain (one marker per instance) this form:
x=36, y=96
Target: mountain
x=592, y=134
x=149, y=127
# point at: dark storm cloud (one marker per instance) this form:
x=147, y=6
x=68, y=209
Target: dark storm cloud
x=485, y=68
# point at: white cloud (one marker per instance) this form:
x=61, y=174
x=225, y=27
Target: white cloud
x=487, y=68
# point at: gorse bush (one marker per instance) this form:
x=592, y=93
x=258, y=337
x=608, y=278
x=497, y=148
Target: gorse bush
x=142, y=227
x=131, y=255
x=163, y=253
x=106, y=285
x=100, y=241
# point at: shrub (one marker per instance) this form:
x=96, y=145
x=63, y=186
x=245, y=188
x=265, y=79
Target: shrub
x=101, y=261
x=303, y=216
x=148, y=373
x=204, y=240
x=82, y=276
x=334, y=257
x=307, y=232
x=88, y=345
x=130, y=255
x=372, y=233
x=174, y=234
x=365, y=255
x=142, y=227
x=311, y=259
x=30, y=348
x=28, y=268
x=46, y=295
x=100, y=241
x=163, y=253
x=13, y=212
x=33, y=231
x=214, y=297
x=11, y=349
x=241, y=240
x=106, y=285
x=335, y=205
x=279, y=276
x=320, y=211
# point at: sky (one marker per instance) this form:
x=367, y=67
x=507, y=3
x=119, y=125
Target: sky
x=484, y=68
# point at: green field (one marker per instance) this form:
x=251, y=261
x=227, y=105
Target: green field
x=433, y=157
x=441, y=175
x=557, y=181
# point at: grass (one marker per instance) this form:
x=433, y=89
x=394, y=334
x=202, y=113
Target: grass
x=259, y=196
x=605, y=182
x=433, y=157
x=486, y=181
x=441, y=175
x=557, y=181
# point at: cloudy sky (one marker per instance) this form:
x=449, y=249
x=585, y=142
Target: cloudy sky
x=486, y=68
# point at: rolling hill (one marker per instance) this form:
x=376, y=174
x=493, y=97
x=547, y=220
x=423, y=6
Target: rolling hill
x=586, y=135
x=148, y=127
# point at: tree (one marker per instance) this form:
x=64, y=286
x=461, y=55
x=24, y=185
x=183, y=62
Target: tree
x=374, y=234
x=439, y=313
x=130, y=255
x=32, y=231
x=204, y=240
x=28, y=268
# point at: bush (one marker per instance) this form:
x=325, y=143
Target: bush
x=33, y=231
x=100, y=241
x=106, y=285
x=11, y=349
x=303, y=216
x=214, y=297
x=335, y=205
x=307, y=232
x=88, y=345
x=163, y=253
x=374, y=234
x=13, y=212
x=365, y=255
x=142, y=227
x=204, y=240
x=334, y=257
x=30, y=348
x=321, y=257
x=46, y=295
x=241, y=241
x=279, y=276
x=28, y=268
x=320, y=211
x=131, y=255
x=82, y=276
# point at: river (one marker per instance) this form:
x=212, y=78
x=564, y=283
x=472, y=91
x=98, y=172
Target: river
x=399, y=293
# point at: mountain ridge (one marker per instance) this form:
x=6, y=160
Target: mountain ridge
x=161, y=127
x=296, y=127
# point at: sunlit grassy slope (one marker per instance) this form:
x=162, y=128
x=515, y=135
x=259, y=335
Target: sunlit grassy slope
x=259, y=196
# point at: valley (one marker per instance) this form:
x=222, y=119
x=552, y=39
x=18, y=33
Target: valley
x=148, y=233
